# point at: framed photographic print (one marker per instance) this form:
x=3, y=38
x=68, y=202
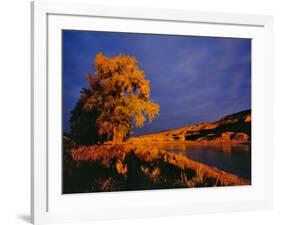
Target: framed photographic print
x=149, y=112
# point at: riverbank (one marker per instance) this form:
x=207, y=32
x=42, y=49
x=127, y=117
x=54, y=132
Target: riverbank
x=187, y=142
x=124, y=167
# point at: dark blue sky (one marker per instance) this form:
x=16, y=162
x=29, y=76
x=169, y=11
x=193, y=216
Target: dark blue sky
x=194, y=79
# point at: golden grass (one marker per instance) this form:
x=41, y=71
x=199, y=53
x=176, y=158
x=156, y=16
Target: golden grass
x=135, y=167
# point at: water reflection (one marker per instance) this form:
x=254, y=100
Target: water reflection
x=235, y=159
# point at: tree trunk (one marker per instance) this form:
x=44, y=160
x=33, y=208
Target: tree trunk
x=117, y=136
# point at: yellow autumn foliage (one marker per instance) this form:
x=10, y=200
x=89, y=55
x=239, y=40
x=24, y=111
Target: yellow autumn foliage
x=119, y=90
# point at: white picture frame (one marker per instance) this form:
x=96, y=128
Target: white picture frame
x=47, y=203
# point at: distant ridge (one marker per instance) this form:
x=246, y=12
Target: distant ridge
x=234, y=128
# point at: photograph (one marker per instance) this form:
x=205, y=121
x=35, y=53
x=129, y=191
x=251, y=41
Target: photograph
x=143, y=111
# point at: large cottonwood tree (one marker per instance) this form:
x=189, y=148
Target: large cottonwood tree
x=120, y=94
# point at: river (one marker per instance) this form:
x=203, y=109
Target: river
x=235, y=159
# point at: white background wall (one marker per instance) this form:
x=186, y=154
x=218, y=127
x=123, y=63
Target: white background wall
x=15, y=109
